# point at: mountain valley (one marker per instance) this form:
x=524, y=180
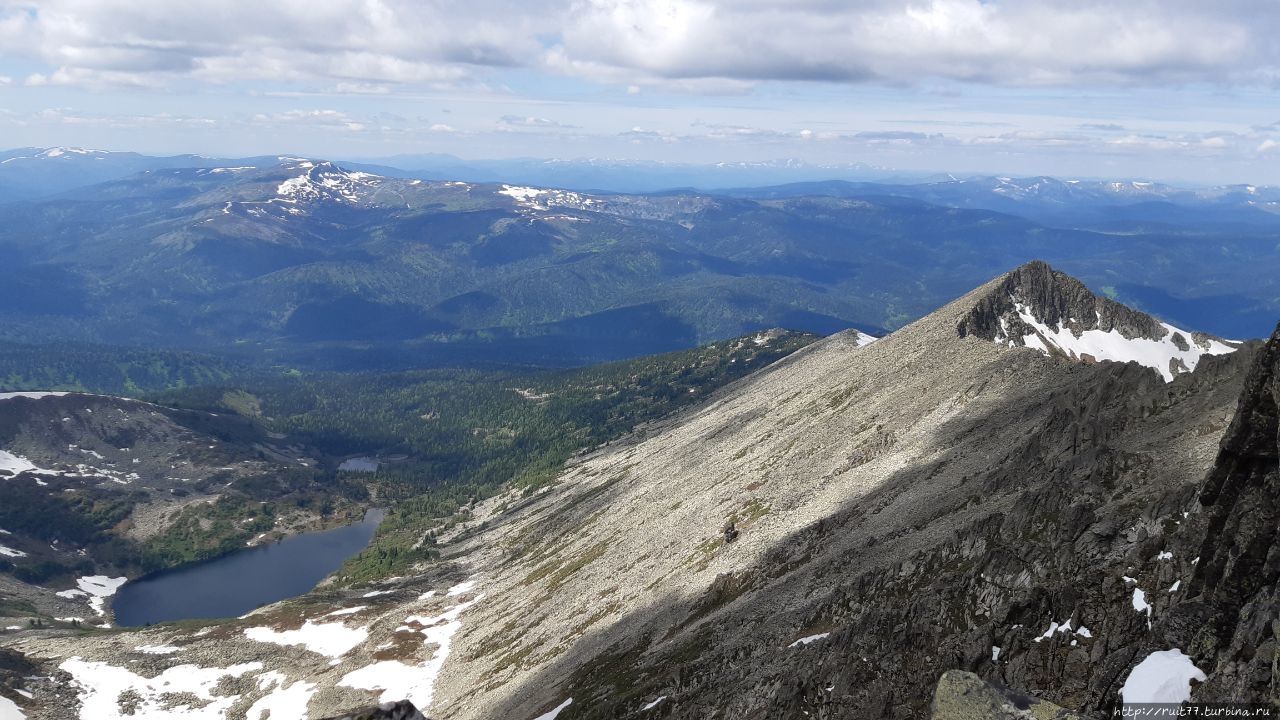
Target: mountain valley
x=821, y=538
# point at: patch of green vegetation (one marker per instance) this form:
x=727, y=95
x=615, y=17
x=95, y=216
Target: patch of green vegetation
x=207, y=530
x=701, y=556
x=468, y=434
x=556, y=572
x=106, y=369
x=752, y=511
x=242, y=403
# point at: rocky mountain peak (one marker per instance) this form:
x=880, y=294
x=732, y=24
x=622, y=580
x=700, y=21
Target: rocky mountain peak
x=1038, y=307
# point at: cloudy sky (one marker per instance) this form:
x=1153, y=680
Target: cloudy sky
x=1168, y=89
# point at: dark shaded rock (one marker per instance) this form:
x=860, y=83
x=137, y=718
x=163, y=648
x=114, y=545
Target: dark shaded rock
x=1235, y=585
x=403, y=710
x=1054, y=298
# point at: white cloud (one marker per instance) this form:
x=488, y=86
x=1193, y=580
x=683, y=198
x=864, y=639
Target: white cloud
x=699, y=46
x=1041, y=42
x=94, y=43
x=530, y=121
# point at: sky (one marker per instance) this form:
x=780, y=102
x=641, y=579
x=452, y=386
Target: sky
x=1179, y=90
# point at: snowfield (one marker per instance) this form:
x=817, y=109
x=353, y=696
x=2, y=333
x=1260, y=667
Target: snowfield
x=1162, y=677
x=100, y=686
x=539, y=199
x=97, y=587
x=1163, y=355
x=401, y=681
x=329, y=639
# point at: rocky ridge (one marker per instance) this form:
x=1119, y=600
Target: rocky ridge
x=820, y=540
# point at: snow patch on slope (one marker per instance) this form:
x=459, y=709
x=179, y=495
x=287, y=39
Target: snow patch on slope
x=401, y=681
x=327, y=182
x=1162, y=677
x=9, y=710
x=541, y=199
x=329, y=639
x=16, y=464
x=101, y=684
x=1163, y=355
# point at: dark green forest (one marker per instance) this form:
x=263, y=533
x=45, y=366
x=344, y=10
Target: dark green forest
x=444, y=438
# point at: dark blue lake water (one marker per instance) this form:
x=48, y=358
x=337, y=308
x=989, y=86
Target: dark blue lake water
x=235, y=584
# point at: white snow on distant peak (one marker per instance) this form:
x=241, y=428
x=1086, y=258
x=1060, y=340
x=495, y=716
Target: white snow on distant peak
x=1163, y=676
x=326, y=182
x=54, y=152
x=555, y=712
x=329, y=639
x=1111, y=345
x=542, y=199
x=10, y=552
x=242, y=168
x=809, y=639
x=100, y=686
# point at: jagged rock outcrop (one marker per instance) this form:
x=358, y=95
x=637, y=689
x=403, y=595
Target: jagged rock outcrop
x=1053, y=298
x=1038, y=307
x=964, y=696
x=1234, y=596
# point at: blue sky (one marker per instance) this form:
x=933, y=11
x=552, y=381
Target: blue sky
x=1175, y=90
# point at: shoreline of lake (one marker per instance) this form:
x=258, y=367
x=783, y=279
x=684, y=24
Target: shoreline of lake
x=233, y=584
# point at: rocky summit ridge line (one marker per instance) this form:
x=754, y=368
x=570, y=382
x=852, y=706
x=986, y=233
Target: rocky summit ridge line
x=821, y=539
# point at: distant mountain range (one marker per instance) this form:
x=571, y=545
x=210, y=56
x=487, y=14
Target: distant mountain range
x=322, y=264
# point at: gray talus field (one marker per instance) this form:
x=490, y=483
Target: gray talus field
x=895, y=510
x=822, y=539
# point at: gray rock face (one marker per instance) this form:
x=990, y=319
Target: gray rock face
x=964, y=696
x=931, y=501
x=928, y=502
x=1054, y=299
x=1233, y=612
